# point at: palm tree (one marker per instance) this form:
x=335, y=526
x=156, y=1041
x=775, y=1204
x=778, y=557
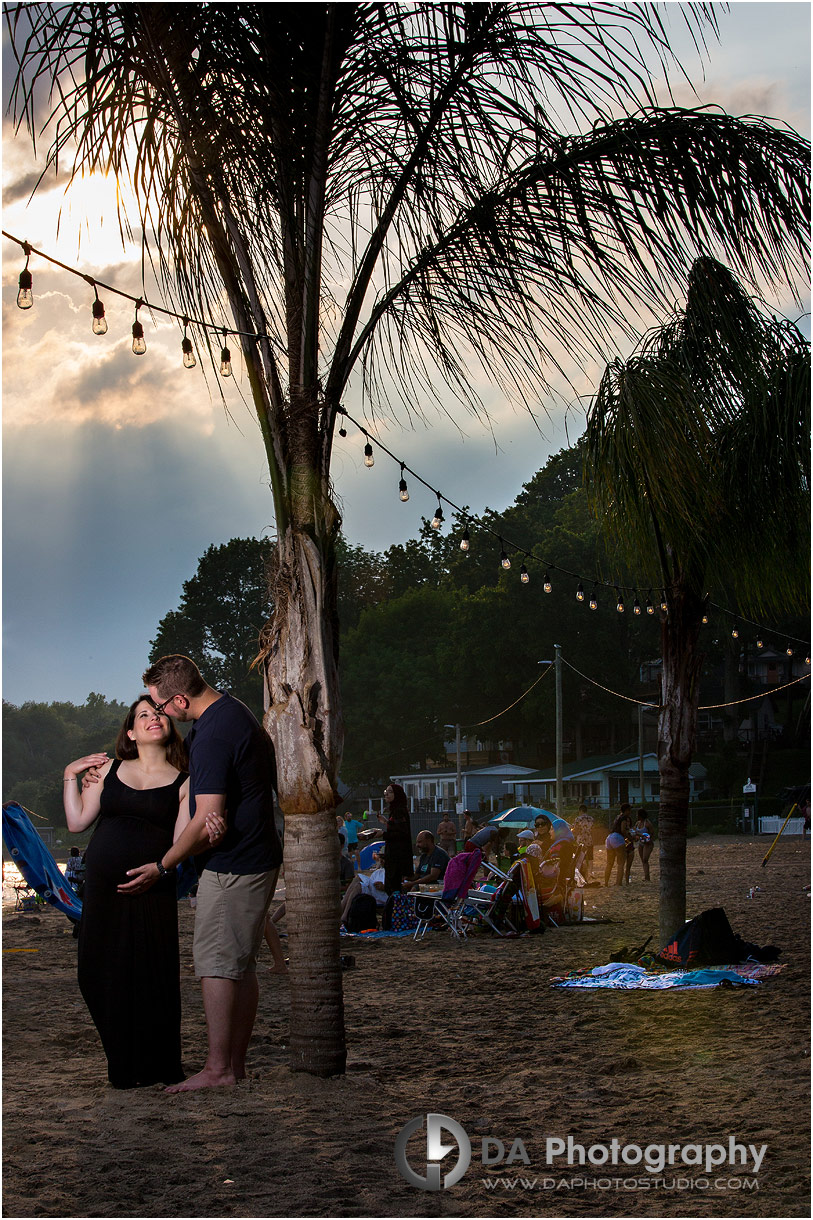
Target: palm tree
x=391, y=189
x=698, y=466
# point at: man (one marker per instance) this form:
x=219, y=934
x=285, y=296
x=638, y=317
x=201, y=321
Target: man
x=431, y=865
x=352, y=827
x=489, y=839
x=446, y=834
x=231, y=776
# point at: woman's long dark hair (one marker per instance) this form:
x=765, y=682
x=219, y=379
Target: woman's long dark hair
x=126, y=748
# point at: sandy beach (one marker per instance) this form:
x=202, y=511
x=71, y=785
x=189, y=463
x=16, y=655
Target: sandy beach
x=472, y=1031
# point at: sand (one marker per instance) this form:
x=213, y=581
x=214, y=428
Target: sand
x=473, y=1031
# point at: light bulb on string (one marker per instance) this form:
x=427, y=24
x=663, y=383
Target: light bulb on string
x=760, y=643
x=505, y=562
x=546, y=584
x=664, y=603
x=189, y=361
x=580, y=593
x=735, y=635
x=225, y=359
x=25, y=294
x=403, y=490
x=369, y=460
x=99, y=326
x=524, y=575
x=789, y=650
x=650, y=609
x=465, y=541
x=437, y=520
x=139, y=344
x=594, y=598
x=807, y=659
x=619, y=601
x=636, y=606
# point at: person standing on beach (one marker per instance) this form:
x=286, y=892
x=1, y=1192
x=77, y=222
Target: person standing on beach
x=232, y=774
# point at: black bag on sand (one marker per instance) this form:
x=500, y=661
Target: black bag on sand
x=363, y=914
x=708, y=940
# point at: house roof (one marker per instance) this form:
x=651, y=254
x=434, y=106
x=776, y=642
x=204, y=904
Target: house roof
x=451, y=773
x=609, y=763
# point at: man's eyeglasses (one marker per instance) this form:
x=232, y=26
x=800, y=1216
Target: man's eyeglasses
x=161, y=707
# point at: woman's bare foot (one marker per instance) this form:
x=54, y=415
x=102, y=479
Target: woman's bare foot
x=205, y=1079
x=283, y=969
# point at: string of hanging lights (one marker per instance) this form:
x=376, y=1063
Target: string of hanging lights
x=25, y=300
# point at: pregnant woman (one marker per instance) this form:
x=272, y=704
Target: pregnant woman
x=129, y=970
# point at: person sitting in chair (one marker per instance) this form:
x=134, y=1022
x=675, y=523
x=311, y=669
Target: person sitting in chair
x=363, y=884
x=431, y=865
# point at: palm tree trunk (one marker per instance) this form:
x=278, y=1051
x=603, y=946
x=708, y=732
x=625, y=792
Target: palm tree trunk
x=677, y=727
x=304, y=721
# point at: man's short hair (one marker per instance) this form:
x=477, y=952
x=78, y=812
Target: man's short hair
x=175, y=675
x=427, y=834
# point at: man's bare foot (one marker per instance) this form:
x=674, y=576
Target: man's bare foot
x=206, y=1079
x=277, y=969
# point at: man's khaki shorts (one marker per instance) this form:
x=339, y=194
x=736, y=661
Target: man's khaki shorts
x=229, y=920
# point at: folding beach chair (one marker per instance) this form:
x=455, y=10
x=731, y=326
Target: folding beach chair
x=446, y=907
x=495, y=908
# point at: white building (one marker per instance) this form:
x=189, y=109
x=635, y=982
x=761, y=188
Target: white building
x=601, y=783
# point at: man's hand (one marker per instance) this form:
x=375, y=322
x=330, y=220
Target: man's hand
x=91, y=777
x=142, y=879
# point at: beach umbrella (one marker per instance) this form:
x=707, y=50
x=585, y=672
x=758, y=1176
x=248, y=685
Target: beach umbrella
x=36, y=863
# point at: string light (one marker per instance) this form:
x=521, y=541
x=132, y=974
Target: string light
x=25, y=294
x=619, y=601
x=25, y=300
x=139, y=345
x=437, y=520
x=505, y=562
x=225, y=359
x=99, y=326
x=189, y=360
x=403, y=490
x=580, y=593
x=650, y=609
x=789, y=650
x=636, y=606
x=735, y=634
x=524, y=576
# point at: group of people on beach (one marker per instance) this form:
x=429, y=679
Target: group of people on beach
x=162, y=800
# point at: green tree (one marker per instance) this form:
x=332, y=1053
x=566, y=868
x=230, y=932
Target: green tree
x=40, y=738
x=698, y=462
x=222, y=611
x=416, y=154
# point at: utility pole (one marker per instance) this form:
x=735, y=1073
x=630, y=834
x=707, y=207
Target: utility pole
x=560, y=800
x=459, y=802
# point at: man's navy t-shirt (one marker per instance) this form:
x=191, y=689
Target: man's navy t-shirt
x=231, y=755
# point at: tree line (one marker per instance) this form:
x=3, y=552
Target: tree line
x=430, y=636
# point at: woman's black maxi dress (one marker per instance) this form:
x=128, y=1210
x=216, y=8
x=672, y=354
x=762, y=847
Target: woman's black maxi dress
x=129, y=967
x=398, y=860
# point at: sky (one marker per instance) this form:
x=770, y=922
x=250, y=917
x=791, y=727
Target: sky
x=119, y=471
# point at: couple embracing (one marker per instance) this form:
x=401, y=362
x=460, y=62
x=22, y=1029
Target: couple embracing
x=147, y=808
